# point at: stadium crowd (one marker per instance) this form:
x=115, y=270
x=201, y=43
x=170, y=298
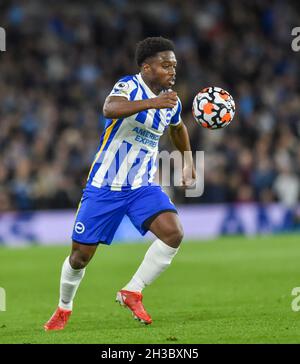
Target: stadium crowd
x=63, y=58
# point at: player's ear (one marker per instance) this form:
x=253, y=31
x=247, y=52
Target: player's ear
x=146, y=67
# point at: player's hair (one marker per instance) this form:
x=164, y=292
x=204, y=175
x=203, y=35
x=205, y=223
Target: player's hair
x=150, y=46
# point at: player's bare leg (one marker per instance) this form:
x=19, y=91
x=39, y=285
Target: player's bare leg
x=168, y=230
x=73, y=271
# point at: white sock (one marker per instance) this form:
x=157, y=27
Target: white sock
x=157, y=258
x=69, y=282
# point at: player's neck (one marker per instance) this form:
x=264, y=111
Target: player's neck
x=153, y=87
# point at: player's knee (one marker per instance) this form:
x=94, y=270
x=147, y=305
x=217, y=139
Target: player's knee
x=175, y=237
x=79, y=260
x=179, y=235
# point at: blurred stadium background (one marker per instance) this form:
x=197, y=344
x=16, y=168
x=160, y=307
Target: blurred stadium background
x=62, y=60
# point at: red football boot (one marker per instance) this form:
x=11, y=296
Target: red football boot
x=133, y=300
x=58, y=320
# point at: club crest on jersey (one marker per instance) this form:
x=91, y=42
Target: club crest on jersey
x=168, y=116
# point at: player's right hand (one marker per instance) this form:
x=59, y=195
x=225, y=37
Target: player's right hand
x=165, y=101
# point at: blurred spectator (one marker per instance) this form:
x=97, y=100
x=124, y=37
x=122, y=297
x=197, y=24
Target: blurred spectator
x=286, y=186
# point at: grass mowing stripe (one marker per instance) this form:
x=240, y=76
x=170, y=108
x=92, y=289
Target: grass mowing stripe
x=231, y=290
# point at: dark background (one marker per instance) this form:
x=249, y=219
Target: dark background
x=63, y=57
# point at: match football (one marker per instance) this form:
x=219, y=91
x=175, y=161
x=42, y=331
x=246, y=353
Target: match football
x=213, y=108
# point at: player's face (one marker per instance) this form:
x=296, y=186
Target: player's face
x=162, y=71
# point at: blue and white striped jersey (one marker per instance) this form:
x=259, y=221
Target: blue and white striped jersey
x=126, y=157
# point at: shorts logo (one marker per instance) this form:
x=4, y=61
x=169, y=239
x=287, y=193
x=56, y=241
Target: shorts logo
x=79, y=227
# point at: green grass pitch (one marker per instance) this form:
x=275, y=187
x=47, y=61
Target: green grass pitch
x=231, y=290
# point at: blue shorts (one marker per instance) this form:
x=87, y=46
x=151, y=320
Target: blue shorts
x=101, y=211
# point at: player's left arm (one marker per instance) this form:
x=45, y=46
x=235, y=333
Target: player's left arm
x=180, y=138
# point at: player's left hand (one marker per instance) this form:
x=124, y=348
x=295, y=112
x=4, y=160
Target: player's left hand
x=188, y=176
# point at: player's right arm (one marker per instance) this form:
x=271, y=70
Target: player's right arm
x=116, y=107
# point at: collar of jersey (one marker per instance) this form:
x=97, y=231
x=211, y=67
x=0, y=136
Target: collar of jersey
x=148, y=90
